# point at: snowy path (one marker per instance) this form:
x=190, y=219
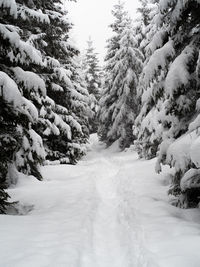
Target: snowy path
x=110, y=210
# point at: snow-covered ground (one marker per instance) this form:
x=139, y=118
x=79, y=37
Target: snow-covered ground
x=110, y=210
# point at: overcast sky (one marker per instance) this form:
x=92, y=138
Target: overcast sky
x=91, y=18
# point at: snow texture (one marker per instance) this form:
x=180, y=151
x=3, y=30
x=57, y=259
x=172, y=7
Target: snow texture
x=30, y=80
x=157, y=60
x=178, y=74
x=9, y=90
x=11, y=5
x=109, y=210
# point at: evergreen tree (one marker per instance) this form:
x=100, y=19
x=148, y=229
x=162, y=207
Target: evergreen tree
x=105, y=118
x=91, y=71
x=19, y=64
x=181, y=95
x=118, y=102
x=65, y=86
x=37, y=63
x=168, y=89
x=150, y=92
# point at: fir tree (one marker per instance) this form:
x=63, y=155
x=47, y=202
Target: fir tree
x=37, y=63
x=168, y=89
x=19, y=63
x=148, y=129
x=181, y=94
x=65, y=140
x=91, y=71
x=118, y=103
x=105, y=118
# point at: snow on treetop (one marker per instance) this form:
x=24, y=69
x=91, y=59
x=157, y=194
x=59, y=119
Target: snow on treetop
x=30, y=80
x=9, y=90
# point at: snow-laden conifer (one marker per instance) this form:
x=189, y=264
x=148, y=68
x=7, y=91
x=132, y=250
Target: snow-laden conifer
x=38, y=58
x=65, y=86
x=171, y=91
x=123, y=65
x=92, y=70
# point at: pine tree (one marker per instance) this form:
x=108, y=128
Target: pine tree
x=91, y=71
x=124, y=64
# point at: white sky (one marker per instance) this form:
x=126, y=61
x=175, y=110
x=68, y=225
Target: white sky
x=91, y=18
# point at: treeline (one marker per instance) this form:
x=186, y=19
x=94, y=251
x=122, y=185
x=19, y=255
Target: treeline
x=44, y=102
x=151, y=94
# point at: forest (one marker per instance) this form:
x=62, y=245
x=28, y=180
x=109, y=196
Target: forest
x=144, y=101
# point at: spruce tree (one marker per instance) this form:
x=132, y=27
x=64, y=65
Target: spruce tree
x=20, y=63
x=148, y=128
x=118, y=102
x=66, y=139
x=168, y=89
x=181, y=94
x=37, y=63
x=91, y=69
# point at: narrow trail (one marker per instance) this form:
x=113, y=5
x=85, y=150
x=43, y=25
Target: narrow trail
x=115, y=228
x=107, y=211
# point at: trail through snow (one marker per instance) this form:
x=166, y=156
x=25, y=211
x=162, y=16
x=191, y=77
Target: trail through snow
x=110, y=210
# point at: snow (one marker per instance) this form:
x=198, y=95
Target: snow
x=191, y=179
x=109, y=210
x=12, y=36
x=11, y=5
x=26, y=51
x=178, y=152
x=30, y=80
x=157, y=60
x=56, y=87
x=64, y=126
x=157, y=41
x=31, y=109
x=178, y=74
x=9, y=90
x=26, y=13
x=37, y=144
x=164, y=4
x=195, y=152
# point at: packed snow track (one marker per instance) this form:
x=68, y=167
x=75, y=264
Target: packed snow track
x=110, y=210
